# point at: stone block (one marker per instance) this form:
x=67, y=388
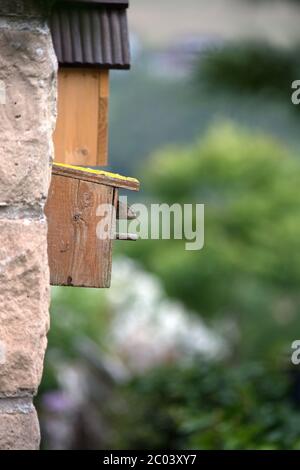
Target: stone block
x=27, y=113
x=24, y=302
x=19, y=427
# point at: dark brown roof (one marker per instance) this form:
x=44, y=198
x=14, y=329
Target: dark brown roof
x=91, y=33
x=98, y=2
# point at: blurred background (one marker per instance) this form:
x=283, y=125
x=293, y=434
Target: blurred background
x=192, y=350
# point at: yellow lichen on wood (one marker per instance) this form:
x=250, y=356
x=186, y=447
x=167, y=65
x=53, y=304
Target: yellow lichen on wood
x=96, y=172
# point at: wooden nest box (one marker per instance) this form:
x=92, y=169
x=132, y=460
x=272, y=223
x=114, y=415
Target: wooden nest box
x=90, y=37
x=79, y=199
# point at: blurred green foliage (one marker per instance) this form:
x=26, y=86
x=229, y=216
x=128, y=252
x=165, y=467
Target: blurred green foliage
x=249, y=269
x=245, y=281
x=75, y=314
x=149, y=112
x=252, y=68
x=247, y=275
x=209, y=407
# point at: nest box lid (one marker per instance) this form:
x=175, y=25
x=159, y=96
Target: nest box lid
x=96, y=176
x=91, y=33
x=98, y=2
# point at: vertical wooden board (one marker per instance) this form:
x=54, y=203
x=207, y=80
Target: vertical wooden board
x=103, y=120
x=92, y=255
x=77, y=257
x=61, y=230
x=80, y=137
x=114, y=220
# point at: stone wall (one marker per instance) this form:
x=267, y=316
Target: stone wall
x=27, y=118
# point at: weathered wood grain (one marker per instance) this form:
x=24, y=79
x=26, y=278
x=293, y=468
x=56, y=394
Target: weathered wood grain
x=77, y=257
x=81, y=135
x=103, y=118
x=107, y=179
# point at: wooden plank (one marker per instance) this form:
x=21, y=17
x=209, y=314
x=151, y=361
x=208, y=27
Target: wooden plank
x=124, y=212
x=103, y=118
x=96, y=176
x=61, y=230
x=91, y=265
x=115, y=205
x=77, y=257
x=81, y=107
x=132, y=237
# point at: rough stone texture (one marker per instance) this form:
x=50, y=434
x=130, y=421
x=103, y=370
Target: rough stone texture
x=27, y=115
x=19, y=431
x=24, y=297
x=25, y=8
x=27, y=74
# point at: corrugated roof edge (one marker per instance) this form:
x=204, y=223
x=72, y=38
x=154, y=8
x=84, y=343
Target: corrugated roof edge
x=96, y=66
x=91, y=35
x=116, y=3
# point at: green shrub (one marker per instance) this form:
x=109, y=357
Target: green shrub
x=205, y=406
